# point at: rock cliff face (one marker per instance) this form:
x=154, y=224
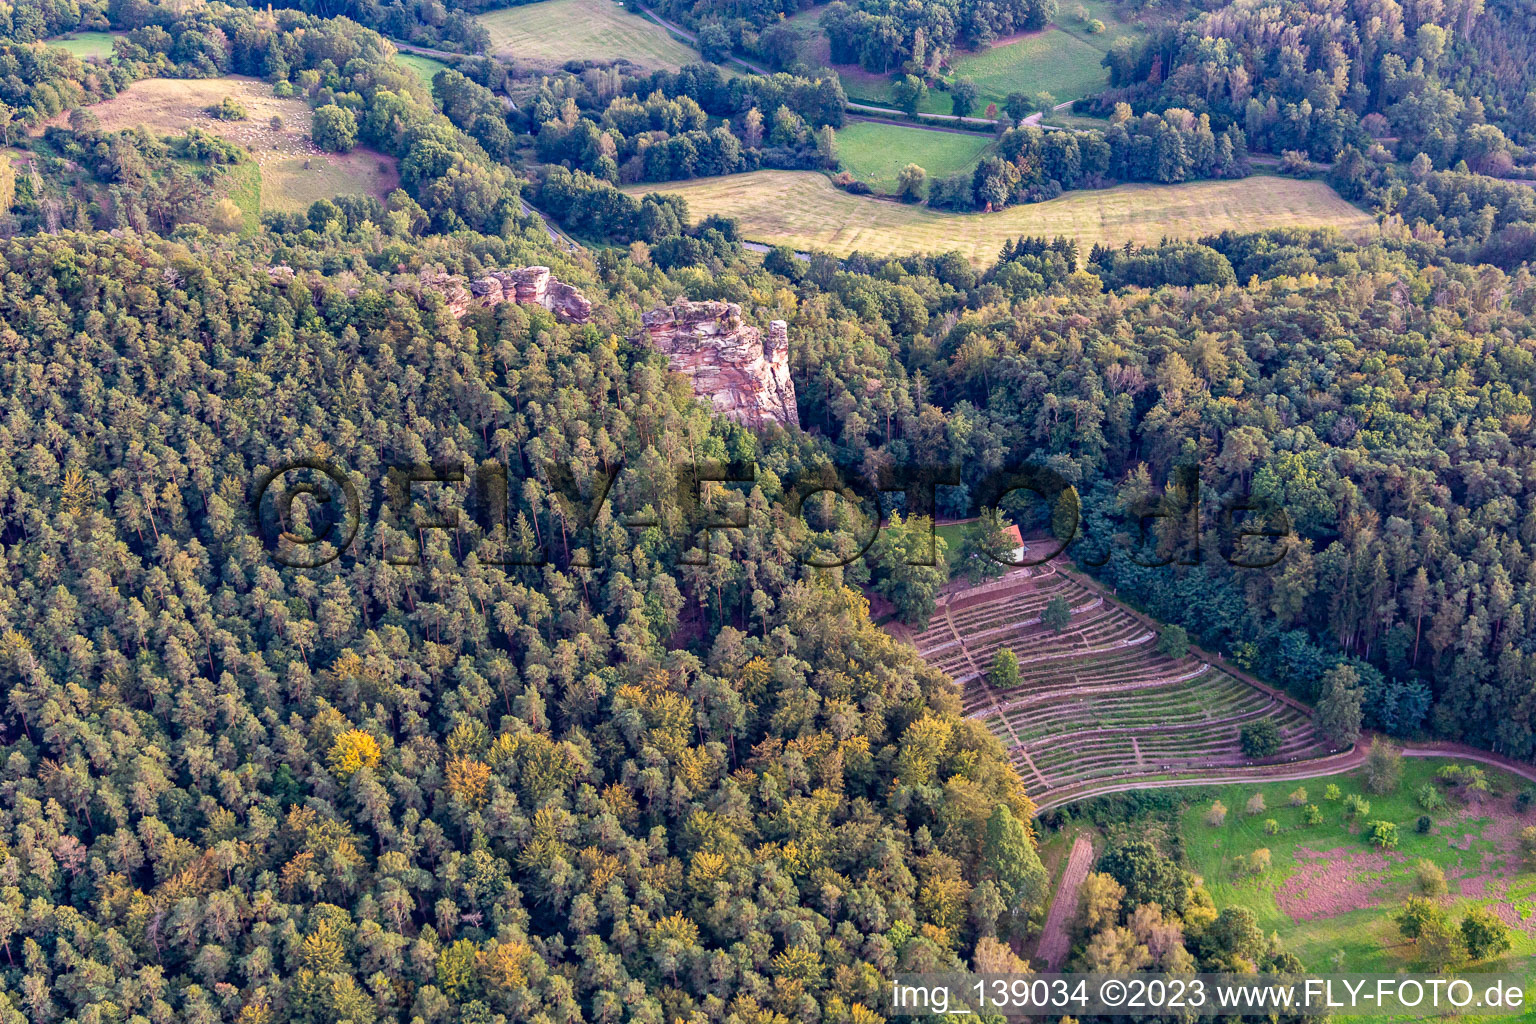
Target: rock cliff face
x=529, y=286
x=532, y=286
x=745, y=375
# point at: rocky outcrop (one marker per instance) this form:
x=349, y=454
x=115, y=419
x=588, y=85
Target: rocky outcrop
x=532, y=286
x=529, y=286
x=742, y=373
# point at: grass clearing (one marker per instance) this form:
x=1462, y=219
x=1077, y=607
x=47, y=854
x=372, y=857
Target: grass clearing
x=1064, y=58
x=805, y=210
x=555, y=31
x=424, y=67
x=953, y=535
x=86, y=45
x=1330, y=892
x=292, y=171
x=242, y=183
x=876, y=153
x=1051, y=61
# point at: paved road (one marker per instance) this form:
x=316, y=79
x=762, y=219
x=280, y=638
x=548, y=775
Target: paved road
x=560, y=239
x=924, y=127
x=891, y=112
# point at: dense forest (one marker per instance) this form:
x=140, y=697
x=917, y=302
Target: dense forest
x=657, y=127
x=1031, y=165
x=381, y=789
x=1449, y=80
x=883, y=36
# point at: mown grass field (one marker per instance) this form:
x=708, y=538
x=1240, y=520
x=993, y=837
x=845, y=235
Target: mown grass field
x=424, y=67
x=805, y=210
x=876, y=153
x=556, y=31
x=87, y=45
x=1050, y=61
x=293, y=171
x=1330, y=893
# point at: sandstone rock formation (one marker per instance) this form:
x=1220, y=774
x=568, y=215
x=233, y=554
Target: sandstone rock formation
x=744, y=375
x=532, y=286
x=527, y=286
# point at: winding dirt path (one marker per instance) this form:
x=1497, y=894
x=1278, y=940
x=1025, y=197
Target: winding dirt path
x=1055, y=943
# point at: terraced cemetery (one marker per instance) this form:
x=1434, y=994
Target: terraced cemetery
x=1097, y=704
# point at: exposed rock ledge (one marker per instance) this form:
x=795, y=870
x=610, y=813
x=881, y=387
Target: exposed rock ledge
x=744, y=375
x=528, y=286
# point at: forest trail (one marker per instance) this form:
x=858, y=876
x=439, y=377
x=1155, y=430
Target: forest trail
x=1055, y=943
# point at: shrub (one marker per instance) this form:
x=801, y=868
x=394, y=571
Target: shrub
x=1484, y=934
x=911, y=183
x=1260, y=739
x=1312, y=815
x=1528, y=843
x=1423, y=825
x=848, y=183
x=1057, y=614
x=1382, y=834
x=1356, y=806
x=1417, y=914
x=1429, y=798
x=1295, y=162
x=1095, y=26
x=1469, y=779
x=1217, y=815
x=1383, y=768
x=1298, y=796
x=1271, y=827
x=282, y=90
x=1173, y=641
x=276, y=123
x=1429, y=878
x=1255, y=863
x=1255, y=804
x=227, y=109
x=226, y=217
x=1332, y=792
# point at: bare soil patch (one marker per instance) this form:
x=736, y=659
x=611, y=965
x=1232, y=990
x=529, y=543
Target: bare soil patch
x=1333, y=882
